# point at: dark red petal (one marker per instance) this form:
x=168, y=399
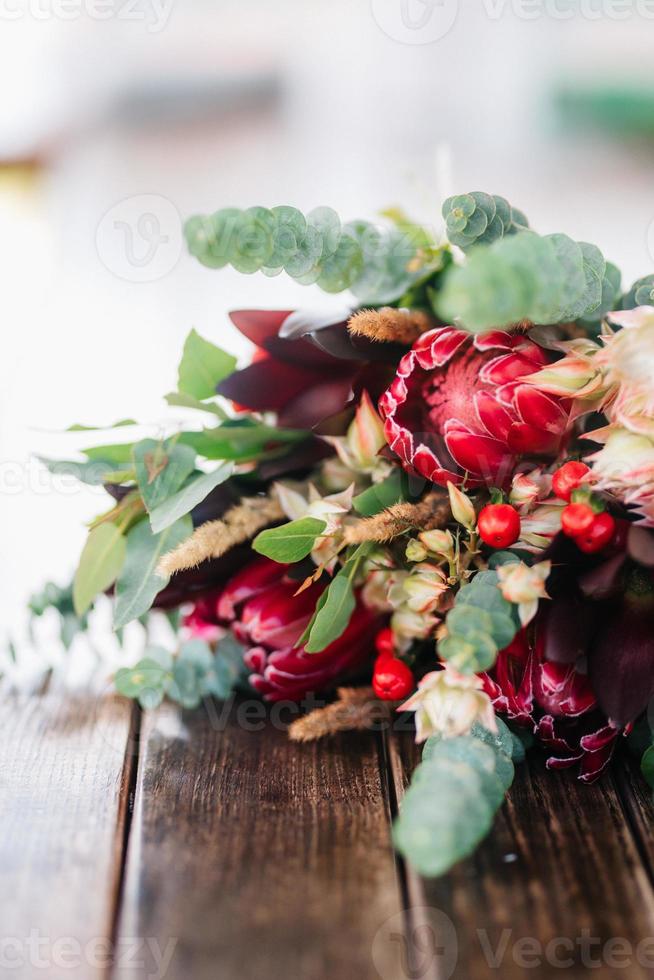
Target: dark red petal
x=257, y=576
x=622, y=659
x=506, y=367
x=493, y=339
x=435, y=348
x=428, y=465
x=316, y=403
x=478, y=454
x=267, y=385
x=524, y=438
x=493, y=416
x=566, y=629
x=259, y=325
x=539, y=409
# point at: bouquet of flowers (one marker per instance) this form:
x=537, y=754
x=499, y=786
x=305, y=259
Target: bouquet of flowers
x=438, y=500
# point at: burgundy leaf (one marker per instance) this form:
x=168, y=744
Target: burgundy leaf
x=267, y=385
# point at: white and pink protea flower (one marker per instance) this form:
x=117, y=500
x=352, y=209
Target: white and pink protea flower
x=624, y=466
x=627, y=361
x=448, y=703
x=459, y=409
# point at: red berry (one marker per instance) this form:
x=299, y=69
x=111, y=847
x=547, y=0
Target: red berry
x=385, y=644
x=577, y=519
x=392, y=679
x=568, y=477
x=598, y=535
x=499, y=525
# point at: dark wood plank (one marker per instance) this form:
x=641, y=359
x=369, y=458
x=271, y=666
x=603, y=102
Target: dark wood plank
x=65, y=762
x=559, y=888
x=638, y=803
x=255, y=857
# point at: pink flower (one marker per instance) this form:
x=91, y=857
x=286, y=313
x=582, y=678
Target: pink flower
x=260, y=606
x=458, y=406
x=556, y=701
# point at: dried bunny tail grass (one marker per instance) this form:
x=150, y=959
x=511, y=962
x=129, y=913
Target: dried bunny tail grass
x=211, y=540
x=357, y=709
x=388, y=324
x=431, y=512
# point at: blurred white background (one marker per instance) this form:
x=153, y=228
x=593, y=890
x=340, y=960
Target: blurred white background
x=210, y=103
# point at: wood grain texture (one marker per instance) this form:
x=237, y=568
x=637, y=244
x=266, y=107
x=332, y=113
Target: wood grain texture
x=559, y=888
x=257, y=857
x=65, y=766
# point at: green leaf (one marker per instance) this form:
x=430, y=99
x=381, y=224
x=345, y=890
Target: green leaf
x=202, y=367
x=194, y=674
x=333, y=617
x=146, y=681
x=117, y=455
x=647, y=765
x=470, y=654
x=179, y=399
x=100, y=564
x=549, y=279
x=228, y=669
x=92, y=472
x=98, y=428
x=291, y=542
x=139, y=583
x=379, y=265
x=453, y=796
x=241, y=440
x=188, y=497
x=161, y=469
x=381, y=495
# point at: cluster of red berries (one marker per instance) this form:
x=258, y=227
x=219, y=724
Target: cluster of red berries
x=589, y=528
x=392, y=679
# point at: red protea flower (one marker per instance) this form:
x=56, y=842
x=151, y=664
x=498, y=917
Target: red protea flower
x=457, y=406
x=556, y=701
x=260, y=606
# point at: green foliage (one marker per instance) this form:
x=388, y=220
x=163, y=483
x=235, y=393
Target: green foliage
x=90, y=471
x=100, y=564
x=147, y=680
x=241, y=440
x=59, y=599
x=334, y=614
x=139, y=582
x=549, y=279
x=478, y=218
x=161, y=469
x=481, y=623
x=610, y=292
x=453, y=798
x=379, y=266
x=647, y=765
x=202, y=367
x=393, y=490
x=192, y=494
x=335, y=606
x=193, y=674
x=291, y=542
x=640, y=294
x=179, y=399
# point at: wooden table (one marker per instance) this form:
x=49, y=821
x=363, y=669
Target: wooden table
x=205, y=846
